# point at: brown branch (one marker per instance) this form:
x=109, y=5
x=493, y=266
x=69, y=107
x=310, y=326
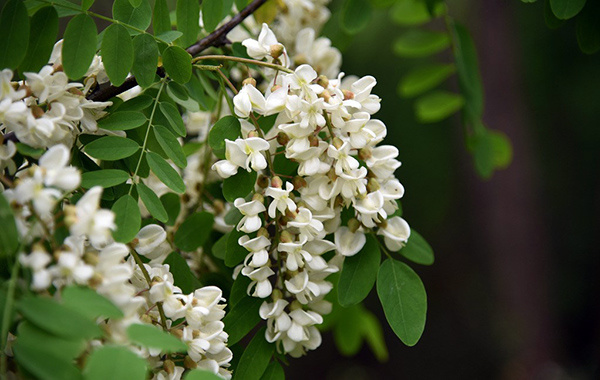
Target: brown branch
x=216, y=39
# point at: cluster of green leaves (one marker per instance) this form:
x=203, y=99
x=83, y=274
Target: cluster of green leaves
x=585, y=15
x=53, y=334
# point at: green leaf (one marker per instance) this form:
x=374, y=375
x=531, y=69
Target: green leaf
x=199, y=374
x=170, y=145
x=44, y=29
x=44, y=364
x=229, y=128
x=138, y=103
x=182, y=274
x=194, y=231
x=152, y=202
x=502, y=149
x=122, y=120
x=404, y=300
x=239, y=290
x=241, y=4
x=26, y=150
x=437, y=106
x=274, y=371
x=86, y=4
x=89, y=303
x=359, y=274
x=178, y=64
x=105, y=178
x=172, y=204
x=424, y=78
x=483, y=154
x=467, y=67
x=213, y=11
x=551, y=21
x=145, y=59
x=169, y=36
x=348, y=331
x=417, y=43
x=235, y=253
x=255, y=359
x=233, y=217
x=413, y=12
x=117, y=53
x=57, y=319
x=588, y=31
x=153, y=337
x=417, y=249
x=373, y=334
x=165, y=172
x=566, y=9
x=111, y=148
x=9, y=237
x=79, y=46
x=188, y=20
x=139, y=17
x=173, y=117
x=355, y=15
x=161, y=21
x=63, y=349
x=267, y=12
x=239, y=185
x=14, y=34
x=242, y=318
x=219, y=249
x=127, y=219
x=115, y=363
x=135, y=3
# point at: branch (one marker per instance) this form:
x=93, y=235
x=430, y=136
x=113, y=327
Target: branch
x=216, y=38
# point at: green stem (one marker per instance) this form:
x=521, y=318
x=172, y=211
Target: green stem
x=150, y=125
x=243, y=60
x=382, y=246
x=329, y=125
x=161, y=311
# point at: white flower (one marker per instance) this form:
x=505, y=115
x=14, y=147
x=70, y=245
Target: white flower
x=395, y=233
x=349, y=243
x=249, y=99
x=152, y=243
x=251, y=221
x=344, y=161
x=262, y=48
x=370, y=209
x=92, y=221
x=55, y=170
x=306, y=224
x=258, y=255
x=260, y=280
x=281, y=199
x=7, y=90
x=245, y=153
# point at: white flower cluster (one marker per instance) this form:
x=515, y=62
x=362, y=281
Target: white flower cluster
x=88, y=256
x=46, y=109
x=325, y=126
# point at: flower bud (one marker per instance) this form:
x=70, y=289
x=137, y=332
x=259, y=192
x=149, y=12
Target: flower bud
x=295, y=305
x=275, y=88
x=276, y=50
x=263, y=232
x=373, y=185
x=291, y=214
x=276, y=295
x=91, y=258
x=325, y=95
x=365, y=153
x=251, y=81
x=276, y=182
x=253, y=133
x=146, y=319
x=353, y=225
x=300, y=59
x=348, y=95
x=177, y=333
x=337, y=142
x=314, y=140
x=282, y=138
x=331, y=174
x=57, y=68
x=37, y=111
x=298, y=182
x=382, y=224
x=189, y=363
x=263, y=181
x=169, y=366
x=258, y=197
x=323, y=81
x=286, y=237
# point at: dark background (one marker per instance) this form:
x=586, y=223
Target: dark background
x=513, y=293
